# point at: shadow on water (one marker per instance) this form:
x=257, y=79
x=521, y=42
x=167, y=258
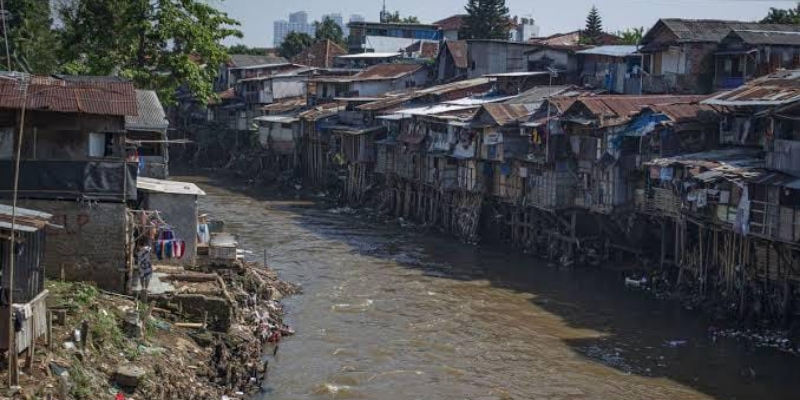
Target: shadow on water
x=638, y=335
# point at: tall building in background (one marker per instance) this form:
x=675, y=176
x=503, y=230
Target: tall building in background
x=339, y=21
x=298, y=22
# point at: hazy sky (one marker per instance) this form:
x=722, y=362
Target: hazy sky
x=552, y=16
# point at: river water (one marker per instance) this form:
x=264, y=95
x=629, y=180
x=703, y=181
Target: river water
x=391, y=314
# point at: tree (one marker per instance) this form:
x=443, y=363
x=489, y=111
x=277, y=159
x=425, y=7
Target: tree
x=593, y=34
x=330, y=30
x=789, y=16
x=486, y=19
x=32, y=44
x=163, y=45
x=631, y=36
x=294, y=43
x=396, y=19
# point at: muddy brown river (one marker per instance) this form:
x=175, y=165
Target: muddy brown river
x=392, y=314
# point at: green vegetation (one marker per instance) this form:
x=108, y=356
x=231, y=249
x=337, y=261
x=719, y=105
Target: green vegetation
x=328, y=29
x=294, y=43
x=790, y=16
x=631, y=36
x=593, y=33
x=486, y=19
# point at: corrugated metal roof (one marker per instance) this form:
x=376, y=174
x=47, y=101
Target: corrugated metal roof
x=151, y=113
x=779, y=88
x=284, y=119
x=707, y=30
x=322, y=111
x=164, y=186
x=243, y=61
x=27, y=220
x=386, y=71
x=458, y=50
x=684, y=112
x=284, y=105
x=504, y=114
x=767, y=37
x=537, y=94
x=614, y=110
x=87, y=95
x=738, y=160
x=610, y=51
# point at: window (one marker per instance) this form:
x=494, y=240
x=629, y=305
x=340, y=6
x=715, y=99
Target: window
x=101, y=145
x=6, y=143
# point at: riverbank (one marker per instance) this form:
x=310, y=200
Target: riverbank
x=106, y=345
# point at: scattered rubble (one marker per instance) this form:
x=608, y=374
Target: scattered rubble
x=111, y=346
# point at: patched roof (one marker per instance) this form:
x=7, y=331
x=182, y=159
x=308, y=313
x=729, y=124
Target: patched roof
x=249, y=61
x=69, y=94
x=386, y=71
x=151, y=113
x=778, y=88
x=684, y=112
x=458, y=50
x=451, y=23
x=320, y=55
x=322, y=111
x=537, y=94
x=615, y=110
x=571, y=39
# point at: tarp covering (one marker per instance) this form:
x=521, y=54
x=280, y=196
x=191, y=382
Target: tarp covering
x=102, y=180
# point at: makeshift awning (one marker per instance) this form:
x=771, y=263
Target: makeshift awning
x=164, y=186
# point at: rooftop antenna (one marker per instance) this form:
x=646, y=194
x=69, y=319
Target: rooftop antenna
x=384, y=15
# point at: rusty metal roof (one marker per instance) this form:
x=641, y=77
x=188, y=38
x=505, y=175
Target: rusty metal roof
x=86, y=95
x=458, y=50
x=685, y=112
x=386, y=72
x=504, y=114
x=322, y=111
x=614, y=110
x=320, y=55
x=451, y=23
x=779, y=88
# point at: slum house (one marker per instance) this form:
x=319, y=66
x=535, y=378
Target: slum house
x=317, y=154
x=768, y=107
x=353, y=136
x=514, y=83
x=710, y=239
x=679, y=54
x=744, y=55
x=486, y=56
x=73, y=166
x=452, y=63
x=388, y=37
x=420, y=164
x=28, y=286
x=604, y=149
x=233, y=109
x=560, y=58
x=372, y=82
x=617, y=69
x=259, y=91
x=148, y=132
x=169, y=209
x=321, y=54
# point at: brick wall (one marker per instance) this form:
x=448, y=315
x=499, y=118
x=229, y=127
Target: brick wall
x=91, y=247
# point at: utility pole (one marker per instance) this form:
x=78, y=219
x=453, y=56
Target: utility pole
x=13, y=370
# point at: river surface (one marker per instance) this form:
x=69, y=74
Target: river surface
x=392, y=314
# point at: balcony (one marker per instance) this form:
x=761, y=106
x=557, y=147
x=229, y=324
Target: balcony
x=100, y=180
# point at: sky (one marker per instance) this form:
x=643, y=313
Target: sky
x=553, y=16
